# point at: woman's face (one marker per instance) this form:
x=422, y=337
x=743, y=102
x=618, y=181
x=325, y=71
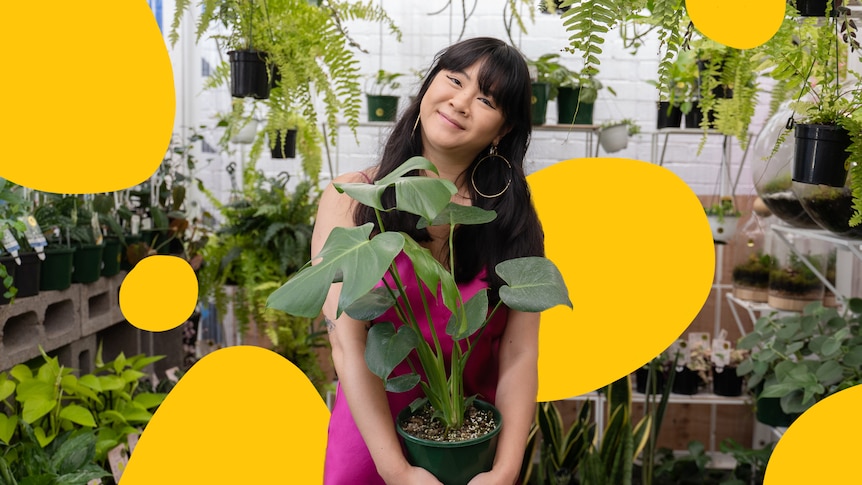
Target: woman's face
x=457, y=118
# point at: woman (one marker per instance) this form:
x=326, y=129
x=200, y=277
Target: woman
x=471, y=119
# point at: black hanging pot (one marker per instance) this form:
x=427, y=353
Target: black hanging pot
x=817, y=8
x=821, y=151
x=27, y=274
x=248, y=76
x=287, y=149
x=668, y=116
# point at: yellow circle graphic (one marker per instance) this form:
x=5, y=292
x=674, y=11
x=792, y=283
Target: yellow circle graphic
x=635, y=249
x=737, y=23
x=94, y=92
x=239, y=415
x=821, y=445
x=159, y=293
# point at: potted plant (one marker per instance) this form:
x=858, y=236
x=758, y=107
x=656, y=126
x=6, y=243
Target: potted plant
x=723, y=218
x=12, y=207
x=725, y=360
x=575, y=93
x=360, y=262
x=312, y=62
x=678, y=96
x=70, y=219
x=793, y=283
x=614, y=135
x=382, y=102
x=798, y=359
x=563, y=449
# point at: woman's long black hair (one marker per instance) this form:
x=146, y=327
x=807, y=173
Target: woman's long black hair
x=516, y=231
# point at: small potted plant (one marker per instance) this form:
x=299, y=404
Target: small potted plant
x=723, y=218
x=725, y=361
x=382, y=100
x=751, y=277
x=681, y=92
x=575, y=93
x=360, y=263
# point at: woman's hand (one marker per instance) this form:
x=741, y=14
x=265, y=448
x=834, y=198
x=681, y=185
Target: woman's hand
x=413, y=475
x=490, y=478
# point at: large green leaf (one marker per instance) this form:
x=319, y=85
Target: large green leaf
x=35, y=408
x=78, y=415
x=7, y=387
x=459, y=214
x=533, y=284
x=371, y=305
x=34, y=389
x=7, y=427
x=470, y=318
x=75, y=452
x=385, y=348
x=423, y=196
x=347, y=255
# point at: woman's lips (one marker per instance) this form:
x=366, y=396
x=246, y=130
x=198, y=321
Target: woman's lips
x=451, y=121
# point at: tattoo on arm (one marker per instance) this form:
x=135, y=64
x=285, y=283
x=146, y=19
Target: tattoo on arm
x=330, y=325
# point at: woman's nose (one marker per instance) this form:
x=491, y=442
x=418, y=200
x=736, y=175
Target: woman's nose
x=461, y=101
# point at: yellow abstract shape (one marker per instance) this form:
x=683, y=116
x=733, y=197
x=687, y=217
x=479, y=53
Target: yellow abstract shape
x=239, y=415
x=635, y=249
x=821, y=445
x=741, y=24
x=89, y=98
x=159, y=293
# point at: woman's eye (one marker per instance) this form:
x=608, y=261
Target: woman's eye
x=487, y=102
x=454, y=80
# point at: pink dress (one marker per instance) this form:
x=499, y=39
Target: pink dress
x=347, y=458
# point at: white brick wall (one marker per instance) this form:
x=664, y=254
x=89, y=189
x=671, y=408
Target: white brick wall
x=423, y=36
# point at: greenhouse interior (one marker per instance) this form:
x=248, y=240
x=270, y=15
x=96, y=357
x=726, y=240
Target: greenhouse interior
x=321, y=161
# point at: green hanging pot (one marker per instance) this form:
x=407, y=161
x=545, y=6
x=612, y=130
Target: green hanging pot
x=382, y=107
x=569, y=111
x=539, y=103
x=56, y=271
x=453, y=463
x=87, y=263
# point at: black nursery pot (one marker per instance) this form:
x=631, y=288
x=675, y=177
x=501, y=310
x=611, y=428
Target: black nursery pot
x=694, y=117
x=817, y=8
x=248, y=77
x=286, y=149
x=27, y=275
x=641, y=376
x=821, y=151
x=686, y=381
x=668, y=116
x=725, y=382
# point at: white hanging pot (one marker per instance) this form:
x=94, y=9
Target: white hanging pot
x=246, y=134
x=724, y=229
x=614, y=138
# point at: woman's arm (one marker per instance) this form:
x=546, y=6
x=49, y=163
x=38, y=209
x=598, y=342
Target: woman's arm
x=517, y=387
x=364, y=390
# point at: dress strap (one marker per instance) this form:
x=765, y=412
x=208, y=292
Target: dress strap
x=366, y=177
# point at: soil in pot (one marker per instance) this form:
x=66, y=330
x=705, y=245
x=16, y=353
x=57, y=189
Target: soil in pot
x=422, y=425
x=751, y=278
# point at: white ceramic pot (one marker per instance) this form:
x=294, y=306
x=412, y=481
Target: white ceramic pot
x=614, y=138
x=723, y=231
x=246, y=134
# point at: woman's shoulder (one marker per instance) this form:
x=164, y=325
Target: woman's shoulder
x=361, y=176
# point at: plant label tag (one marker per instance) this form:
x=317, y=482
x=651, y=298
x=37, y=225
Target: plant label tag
x=698, y=340
x=132, y=439
x=11, y=244
x=136, y=224
x=97, y=228
x=681, y=349
x=95, y=481
x=146, y=223
x=721, y=352
x=34, y=235
x=118, y=459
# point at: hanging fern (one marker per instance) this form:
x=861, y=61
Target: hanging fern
x=586, y=22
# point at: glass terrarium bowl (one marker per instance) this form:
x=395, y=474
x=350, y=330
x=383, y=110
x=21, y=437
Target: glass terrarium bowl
x=772, y=172
x=830, y=207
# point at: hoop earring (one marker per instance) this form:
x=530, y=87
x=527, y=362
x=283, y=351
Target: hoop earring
x=413, y=133
x=492, y=154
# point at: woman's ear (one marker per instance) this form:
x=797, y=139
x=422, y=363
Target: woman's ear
x=503, y=132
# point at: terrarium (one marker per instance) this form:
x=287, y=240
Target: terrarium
x=794, y=280
x=772, y=171
x=751, y=261
x=830, y=207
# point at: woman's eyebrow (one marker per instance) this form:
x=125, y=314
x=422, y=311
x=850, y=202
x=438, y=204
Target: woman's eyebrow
x=459, y=71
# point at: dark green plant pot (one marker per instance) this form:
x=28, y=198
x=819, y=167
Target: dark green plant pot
x=668, y=116
x=382, y=108
x=9, y=262
x=568, y=109
x=56, y=271
x=27, y=275
x=768, y=411
x=821, y=151
x=453, y=463
x=539, y=103
x=111, y=256
x=816, y=8
x=156, y=239
x=87, y=263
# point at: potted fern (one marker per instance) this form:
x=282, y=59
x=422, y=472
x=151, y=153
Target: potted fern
x=361, y=262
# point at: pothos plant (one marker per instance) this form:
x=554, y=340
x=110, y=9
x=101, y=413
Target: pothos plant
x=357, y=260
